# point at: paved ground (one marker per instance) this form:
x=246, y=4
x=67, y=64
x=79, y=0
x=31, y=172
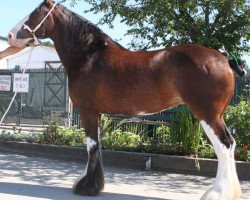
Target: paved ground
x=26, y=178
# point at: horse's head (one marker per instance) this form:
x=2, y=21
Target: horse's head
x=39, y=24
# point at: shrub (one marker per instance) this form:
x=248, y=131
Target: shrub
x=186, y=132
x=206, y=150
x=238, y=119
x=243, y=153
x=71, y=136
x=183, y=137
x=50, y=134
x=117, y=140
x=20, y=137
x=163, y=135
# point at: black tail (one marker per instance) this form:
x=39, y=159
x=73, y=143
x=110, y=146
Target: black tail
x=238, y=66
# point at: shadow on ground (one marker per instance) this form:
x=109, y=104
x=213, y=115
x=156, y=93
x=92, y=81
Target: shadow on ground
x=59, y=193
x=53, y=179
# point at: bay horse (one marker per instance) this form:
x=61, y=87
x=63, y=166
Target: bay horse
x=104, y=77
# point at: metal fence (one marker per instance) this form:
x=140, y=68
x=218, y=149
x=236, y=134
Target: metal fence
x=46, y=99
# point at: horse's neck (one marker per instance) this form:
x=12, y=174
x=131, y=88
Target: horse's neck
x=75, y=50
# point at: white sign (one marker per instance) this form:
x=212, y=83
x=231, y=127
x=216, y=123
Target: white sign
x=5, y=83
x=21, y=83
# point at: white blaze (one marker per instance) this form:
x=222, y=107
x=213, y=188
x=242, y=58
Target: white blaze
x=14, y=41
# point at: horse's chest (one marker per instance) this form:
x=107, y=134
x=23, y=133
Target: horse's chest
x=80, y=89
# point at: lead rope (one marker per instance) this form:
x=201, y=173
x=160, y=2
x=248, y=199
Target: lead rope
x=14, y=96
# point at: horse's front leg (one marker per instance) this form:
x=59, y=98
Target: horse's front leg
x=91, y=182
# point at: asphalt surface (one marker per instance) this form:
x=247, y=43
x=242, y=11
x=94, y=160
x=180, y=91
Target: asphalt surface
x=36, y=178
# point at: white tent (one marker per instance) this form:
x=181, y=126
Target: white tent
x=3, y=45
x=39, y=55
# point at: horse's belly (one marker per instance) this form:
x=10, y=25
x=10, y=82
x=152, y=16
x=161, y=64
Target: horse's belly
x=141, y=106
x=156, y=107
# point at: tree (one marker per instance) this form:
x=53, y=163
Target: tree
x=157, y=23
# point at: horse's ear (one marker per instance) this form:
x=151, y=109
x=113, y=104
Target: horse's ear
x=49, y=3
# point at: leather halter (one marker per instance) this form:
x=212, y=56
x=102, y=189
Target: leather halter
x=36, y=42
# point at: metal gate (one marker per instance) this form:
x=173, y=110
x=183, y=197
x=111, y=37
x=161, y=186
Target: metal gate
x=46, y=100
x=55, y=85
x=56, y=96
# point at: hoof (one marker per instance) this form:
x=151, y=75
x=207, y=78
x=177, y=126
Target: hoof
x=219, y=194
x=89, y=186
x=91, y=183
x=212, y=195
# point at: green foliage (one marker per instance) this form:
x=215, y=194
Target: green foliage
x=49, y=136
x=155, y=23
x=182, y=137
x=206, y=150
x=48, y=44
x=71, y=136
x=163, y=134
x=106, y=125
x=238, y=119
x=20, y=137
x=117, y=140
x=186, y=132
x=246, y=92
x=243, y=153
x=161, y=143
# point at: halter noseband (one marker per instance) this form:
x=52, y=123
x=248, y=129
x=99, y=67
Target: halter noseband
x=36, y=42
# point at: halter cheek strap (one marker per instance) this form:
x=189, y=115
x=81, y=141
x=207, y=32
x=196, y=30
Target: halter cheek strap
x=38, y=26
x=36, y=42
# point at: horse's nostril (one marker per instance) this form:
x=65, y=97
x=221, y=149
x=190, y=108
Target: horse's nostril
x=10, y=35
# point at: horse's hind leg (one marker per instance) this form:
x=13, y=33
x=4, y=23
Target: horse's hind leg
x=210, y=114
x=226, y=185
x=91, y=182
x=208, y=101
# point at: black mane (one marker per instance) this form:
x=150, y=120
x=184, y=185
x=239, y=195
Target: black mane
x=77, y=39
x=85, y=31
